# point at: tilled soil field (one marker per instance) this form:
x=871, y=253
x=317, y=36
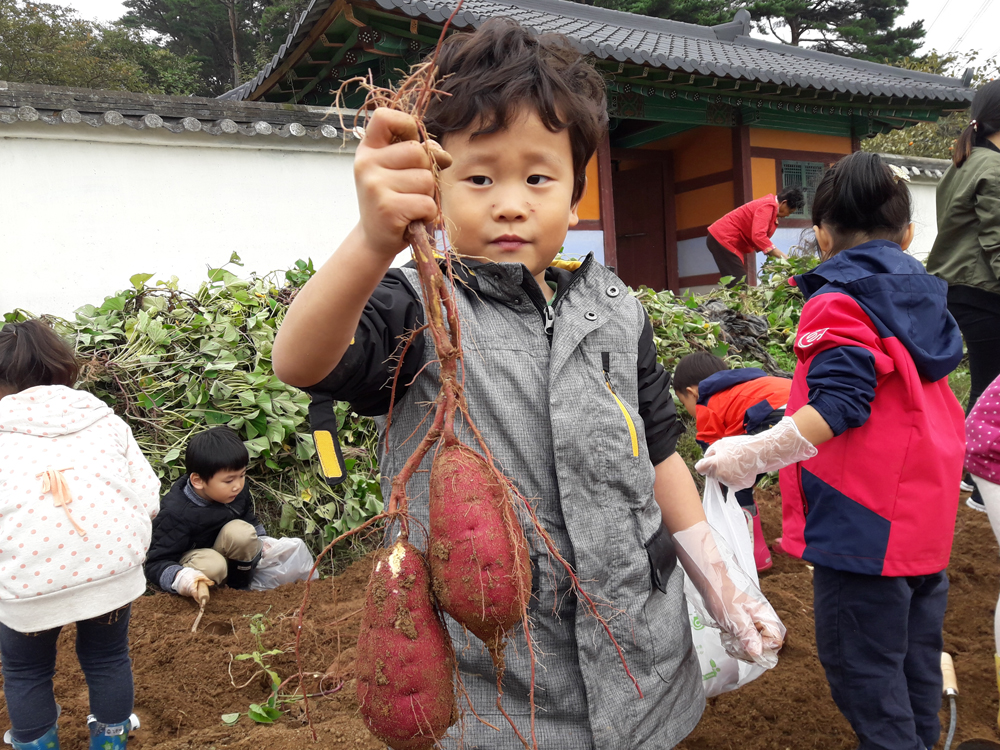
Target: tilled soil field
x=185, y=682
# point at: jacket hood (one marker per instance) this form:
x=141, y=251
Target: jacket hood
x=720, y=381
x=50, y=410
x=899, y=296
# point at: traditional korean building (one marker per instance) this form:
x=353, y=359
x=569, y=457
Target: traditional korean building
x=703, y=119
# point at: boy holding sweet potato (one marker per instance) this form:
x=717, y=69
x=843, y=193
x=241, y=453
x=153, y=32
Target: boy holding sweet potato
x=560, y=373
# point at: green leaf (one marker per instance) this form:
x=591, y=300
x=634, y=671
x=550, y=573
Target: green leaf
x=216, y=417
x=230, y=719
x=139, y=280
x=171, y=455
x=113, y=303
x=263, y=714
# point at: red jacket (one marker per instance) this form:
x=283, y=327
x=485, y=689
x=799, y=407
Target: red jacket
x=748, y=229
x=735, y=402
x=875, y=346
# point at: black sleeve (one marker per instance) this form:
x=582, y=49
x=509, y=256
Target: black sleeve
x=656, y=404
x=364, y=375
x=169, y=543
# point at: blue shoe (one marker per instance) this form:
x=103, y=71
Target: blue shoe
x=48, y=741
x=110, y=736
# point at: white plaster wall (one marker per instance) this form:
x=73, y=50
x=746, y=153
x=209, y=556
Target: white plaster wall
x=83, y=209
x=923, y=195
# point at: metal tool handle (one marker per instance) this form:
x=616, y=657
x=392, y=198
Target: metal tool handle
x=948, y=673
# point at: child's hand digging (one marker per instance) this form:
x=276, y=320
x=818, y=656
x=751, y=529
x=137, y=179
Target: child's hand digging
x=193, y=583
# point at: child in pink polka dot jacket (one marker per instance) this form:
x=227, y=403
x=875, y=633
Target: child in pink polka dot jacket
x=982, y=460
x=77, y=499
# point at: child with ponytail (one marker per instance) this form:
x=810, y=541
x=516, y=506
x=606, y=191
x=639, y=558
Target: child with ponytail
x=871, y=454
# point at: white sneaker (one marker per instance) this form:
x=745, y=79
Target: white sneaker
x=975, y=504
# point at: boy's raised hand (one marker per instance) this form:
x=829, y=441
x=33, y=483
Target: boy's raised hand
x=394, y=179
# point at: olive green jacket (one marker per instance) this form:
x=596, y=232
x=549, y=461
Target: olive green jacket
x=967, y=248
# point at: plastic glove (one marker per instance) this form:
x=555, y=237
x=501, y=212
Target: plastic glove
x=751, y=629
x=192, y=583
x=736, y=461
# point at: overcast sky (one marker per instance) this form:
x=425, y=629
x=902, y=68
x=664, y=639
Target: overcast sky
x=951, y=24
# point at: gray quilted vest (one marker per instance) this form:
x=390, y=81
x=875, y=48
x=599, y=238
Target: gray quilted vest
x=571, y=438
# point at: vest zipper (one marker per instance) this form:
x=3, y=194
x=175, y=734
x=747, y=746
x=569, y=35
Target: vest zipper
x=549, y=317
x=605, y=360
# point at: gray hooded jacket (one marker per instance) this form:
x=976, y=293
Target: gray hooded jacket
x=561, y=417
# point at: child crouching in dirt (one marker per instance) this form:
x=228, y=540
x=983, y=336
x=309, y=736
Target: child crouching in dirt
x=560, y=372
x=76, y=498
x=873, y=448
x=207, y=532
x=728, y=402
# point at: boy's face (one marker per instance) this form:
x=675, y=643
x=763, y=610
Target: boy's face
x=508, y=196
x=223, y=487
x=689, y=400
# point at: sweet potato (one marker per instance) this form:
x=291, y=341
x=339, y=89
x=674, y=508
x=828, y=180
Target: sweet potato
x=480, y=569
x=405, y=664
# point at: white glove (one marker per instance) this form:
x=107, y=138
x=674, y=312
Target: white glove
x=186, y=583
x=736, y=461
x=751, y=629
x=266, y=542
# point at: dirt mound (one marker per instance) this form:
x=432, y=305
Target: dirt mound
x=185, y=682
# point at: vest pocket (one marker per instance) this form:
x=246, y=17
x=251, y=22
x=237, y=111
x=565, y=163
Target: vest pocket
x=606, y=364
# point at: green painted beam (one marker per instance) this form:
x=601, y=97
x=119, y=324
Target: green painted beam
x=349, y=44
x=426, y=34
x=651, y=134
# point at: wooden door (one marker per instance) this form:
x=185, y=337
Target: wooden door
x=640, y=234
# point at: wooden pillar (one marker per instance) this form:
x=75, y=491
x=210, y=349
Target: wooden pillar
x=743, y=184
x=670, y=226
x=607, y=198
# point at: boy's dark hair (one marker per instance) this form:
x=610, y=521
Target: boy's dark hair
x=486, y=77
x=215, y=450
x=31, y=354
x=694, y=368
x=984, y=120
x=860, y=198
x=794, y=197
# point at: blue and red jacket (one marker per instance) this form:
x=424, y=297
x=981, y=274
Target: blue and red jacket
x=737, y=402
x=875, y=345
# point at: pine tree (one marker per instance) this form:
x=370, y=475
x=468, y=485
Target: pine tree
x=855, y=28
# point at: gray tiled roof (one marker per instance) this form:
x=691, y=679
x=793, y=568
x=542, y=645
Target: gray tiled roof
x=919, y=166
x=724, y=51
x=60, y=105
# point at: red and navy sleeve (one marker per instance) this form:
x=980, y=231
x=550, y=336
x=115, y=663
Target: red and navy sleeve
x=365, y=373
x=844, y=357
x=656, y=403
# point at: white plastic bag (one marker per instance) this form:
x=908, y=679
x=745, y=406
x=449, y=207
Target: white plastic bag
x=720, y=672
x=285, y=560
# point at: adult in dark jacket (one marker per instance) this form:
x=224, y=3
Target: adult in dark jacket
x=966, y=251
x=207, y=528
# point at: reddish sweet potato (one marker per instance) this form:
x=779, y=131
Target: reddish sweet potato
x=480, y=569
x=405, y=665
